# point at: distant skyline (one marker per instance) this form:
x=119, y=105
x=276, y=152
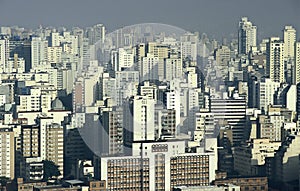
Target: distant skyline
x=217, y=18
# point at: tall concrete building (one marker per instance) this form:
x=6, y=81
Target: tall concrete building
x=189, y=49
x=231, y=111
x=173, y=68
x=271, y=127
x=15, y=65
x=222, y=56
x=112, y=136
x=4, y=53
x=275, y=60
x=138, y=120
x=107, y=87
x=248, y=159
x=7, y=147
x=55, y=39
x=289, y=39
x=298, y=100
x=126, y=85
x=161, y=52
x=34, y=100
x=296, y=72
x=39, y=49
x=43, y=141
x=96, y=34
x=122, y=59
x=265, y=93
x=172, y=101
x=149, y=68
x=99, y=32
x=54, y=54
x=247, y=36
x=55, y=145
x=204, y=126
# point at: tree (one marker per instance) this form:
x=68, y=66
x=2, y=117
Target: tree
x=50, y=170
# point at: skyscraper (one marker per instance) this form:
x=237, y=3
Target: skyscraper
x=247, y=36
x=296, y=78
x=112, y=136
x=275, y=60
x=4, y=53
x=139, y=119
x=289, y=38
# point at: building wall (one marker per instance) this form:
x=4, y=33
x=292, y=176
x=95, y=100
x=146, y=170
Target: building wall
x=7, y=160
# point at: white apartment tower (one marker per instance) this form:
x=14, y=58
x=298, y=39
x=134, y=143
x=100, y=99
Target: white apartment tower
x=4, y=53
x=265, y=95
x=247, y=36
x=122, y=59
x=275, y=60
x=39, y=49
x=99, y=32
x=139, y=120
x=143, y=118
x=149, y=68
x=173, y=68
x=189, y=44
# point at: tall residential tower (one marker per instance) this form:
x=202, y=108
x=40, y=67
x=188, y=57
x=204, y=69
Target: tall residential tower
x=247, y=36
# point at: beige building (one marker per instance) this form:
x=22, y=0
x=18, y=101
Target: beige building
x=248, y=158
x=7, y=153
x=43, y=141
x=297, y=64
x=159, y=166
x=55, y=145
x=289, y=38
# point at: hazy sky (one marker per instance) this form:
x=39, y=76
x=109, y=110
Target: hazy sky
x=215, y=17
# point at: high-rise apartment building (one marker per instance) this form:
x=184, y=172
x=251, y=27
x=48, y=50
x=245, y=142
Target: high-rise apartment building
x=289, y=39
x=231, y=111
x=96, y=34
x=139, y=119
x=55, y=145
x=122, y=59
x=173, y=68
x=112, y=133
x=34, y=100
x=39, y=48
x=43, y=141
x=7, y=150
x=149, y=68
x=265, y=93
x=4, y=53
x=247, y=36
x=275, y=60
x=54, y=54
x=189, y=46
x=296, y=72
